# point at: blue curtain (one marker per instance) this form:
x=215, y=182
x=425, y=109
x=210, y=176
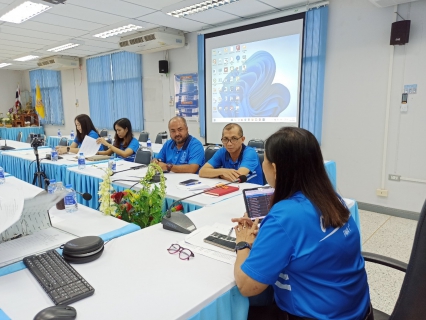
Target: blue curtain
x=201, y=89
x=313, y=68
x=50, y=84
x=99, y=79
x=127, y=80
x=115, y=89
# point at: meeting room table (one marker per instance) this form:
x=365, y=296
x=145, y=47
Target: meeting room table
x=12, y=133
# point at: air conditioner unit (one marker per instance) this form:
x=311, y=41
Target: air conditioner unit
x=59, y=63
x=154, y=40
x=388, y=3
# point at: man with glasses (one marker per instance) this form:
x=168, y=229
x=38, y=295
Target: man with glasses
x=235, y=159
x=182, y=153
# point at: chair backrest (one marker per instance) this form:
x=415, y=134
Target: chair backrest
x=143, y=137
x=63, y=142
x=143, y=156
x=411, y=301
x=19, y=136
x=29, y=138
x=159, y=138
x=257, y=143
x=261, y=156
x=103, y=133
x=210, y=151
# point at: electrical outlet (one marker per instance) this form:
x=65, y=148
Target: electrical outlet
x=394, y=177
x=382, y=193
x=76, y=103
x=171, y=102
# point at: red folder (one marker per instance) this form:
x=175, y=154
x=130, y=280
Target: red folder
x=222, y=190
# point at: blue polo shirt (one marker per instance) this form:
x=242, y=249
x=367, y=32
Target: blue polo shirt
x=192, y=152
x=134, y=145
x=248, y=159
x=92, y=134
x=316, y=272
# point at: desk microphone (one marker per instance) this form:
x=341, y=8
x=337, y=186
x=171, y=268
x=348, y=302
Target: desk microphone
x=179, y=222
x=6, y=147
x=132, y=168
x=86, y=196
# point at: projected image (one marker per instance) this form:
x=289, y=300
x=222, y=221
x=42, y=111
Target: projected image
x=257, y=81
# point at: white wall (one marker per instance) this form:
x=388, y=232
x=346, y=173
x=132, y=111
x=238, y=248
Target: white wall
x=358, y=55
x=9, y=81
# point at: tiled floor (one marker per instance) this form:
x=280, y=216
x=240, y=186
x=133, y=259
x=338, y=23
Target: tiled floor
x=392, y=237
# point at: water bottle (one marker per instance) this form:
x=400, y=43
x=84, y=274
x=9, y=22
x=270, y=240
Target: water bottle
x=110, y=138
x=163, y=138
x=112, y=164
x=54, y=155
x=72, y=135
x=59, y=188
x=148, y=143
x=2, y=179
x=52, y=186
x=70, y=200
x=81, y=161
x=59, y=133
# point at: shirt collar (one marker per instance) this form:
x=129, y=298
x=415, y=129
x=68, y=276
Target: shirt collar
x=185, y=145
x=240, y=157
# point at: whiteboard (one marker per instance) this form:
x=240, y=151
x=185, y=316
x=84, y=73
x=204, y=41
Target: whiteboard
x=153, y=99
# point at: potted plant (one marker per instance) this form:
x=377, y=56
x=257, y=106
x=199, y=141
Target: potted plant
x=143, y=207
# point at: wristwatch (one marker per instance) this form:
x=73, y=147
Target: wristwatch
x=169, y=166
x=242, y=245
x=68, y=149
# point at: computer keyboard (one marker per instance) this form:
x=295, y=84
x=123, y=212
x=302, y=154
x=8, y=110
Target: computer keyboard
x=60, y=281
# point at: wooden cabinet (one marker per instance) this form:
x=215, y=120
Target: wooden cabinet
x=20, y=119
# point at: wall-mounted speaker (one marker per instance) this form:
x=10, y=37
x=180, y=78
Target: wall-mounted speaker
x=400, y=32
x=163, y=66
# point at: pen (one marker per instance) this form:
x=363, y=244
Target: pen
x=230, y=231
x=193, y=183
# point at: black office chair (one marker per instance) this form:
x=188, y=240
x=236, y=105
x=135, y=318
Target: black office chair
x=143, y=156
x=63, y=142
x=411, y=301
x=261, y=156
x=19, y=136
x=143, y=137
x=103, y=133
x=160, y=137
x=210, y=151
x=257, y=143
x=29, y=138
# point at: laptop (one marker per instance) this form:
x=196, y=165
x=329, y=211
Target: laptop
x=258, y=201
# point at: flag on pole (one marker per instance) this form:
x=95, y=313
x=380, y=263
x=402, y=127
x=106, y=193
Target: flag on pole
x=18, y=104
x=39, y=102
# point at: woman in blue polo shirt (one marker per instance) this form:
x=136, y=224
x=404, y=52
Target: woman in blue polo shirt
x=308, y=246
x=83, y=127
x=125, y=145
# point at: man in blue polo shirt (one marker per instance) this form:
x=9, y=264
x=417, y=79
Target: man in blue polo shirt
x=234, y=159
x=182, y=153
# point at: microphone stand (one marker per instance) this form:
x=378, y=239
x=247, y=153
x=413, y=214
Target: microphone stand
x=133, y=168
x=179, y=222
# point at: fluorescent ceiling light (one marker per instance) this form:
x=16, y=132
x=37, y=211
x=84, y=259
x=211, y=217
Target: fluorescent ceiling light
x=199, y=7
x=117, y=31
x=23, y=12
x=2, y=65
x=64, y=47
x=26, y=58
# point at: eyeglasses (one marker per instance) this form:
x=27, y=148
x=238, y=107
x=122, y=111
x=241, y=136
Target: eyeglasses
x=184, y=253
x=233, y=140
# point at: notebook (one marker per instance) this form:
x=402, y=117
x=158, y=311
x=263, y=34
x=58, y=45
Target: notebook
x=222, y=190
x=257, y=201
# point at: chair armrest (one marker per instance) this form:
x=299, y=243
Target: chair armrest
x=385, y=261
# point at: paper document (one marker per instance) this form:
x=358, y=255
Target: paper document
x=89, y=147
x=11, y=205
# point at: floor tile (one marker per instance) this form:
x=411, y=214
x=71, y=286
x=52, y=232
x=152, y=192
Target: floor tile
x=370, y=223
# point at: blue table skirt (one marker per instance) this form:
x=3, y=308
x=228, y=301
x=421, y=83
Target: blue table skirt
x=53, y=141
x=330, y=168
x=12, y=133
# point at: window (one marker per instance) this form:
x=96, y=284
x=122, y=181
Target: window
x=50, y=84
x=115, y=89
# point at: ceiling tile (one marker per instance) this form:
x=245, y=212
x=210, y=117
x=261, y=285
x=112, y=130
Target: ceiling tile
x=15, y=44
x=120, y=8
x=23, y=39
x=157, y=4
x=280, y=4
x=71, y=11
x=67, y=22
x=47, y=28
x=172, y=22
x=212, y=16
x=8, y=29
x=248, y=8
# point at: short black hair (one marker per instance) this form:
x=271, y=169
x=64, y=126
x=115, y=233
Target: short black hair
x=231, y=125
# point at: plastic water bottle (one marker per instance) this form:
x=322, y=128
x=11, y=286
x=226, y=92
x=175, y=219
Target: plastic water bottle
x=59, y=133
x=109, y=138
x=112, y=164
x=2, y=178
x=163, y=138
x=52, y=186
x=70, y=200
x=81, y=161
x=59, y=188
x=72, y=135
x=54, y=155
x=149, y=143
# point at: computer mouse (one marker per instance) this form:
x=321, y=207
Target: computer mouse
x=57, y=312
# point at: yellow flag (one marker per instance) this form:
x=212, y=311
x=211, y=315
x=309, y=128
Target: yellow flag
x=39, y=102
